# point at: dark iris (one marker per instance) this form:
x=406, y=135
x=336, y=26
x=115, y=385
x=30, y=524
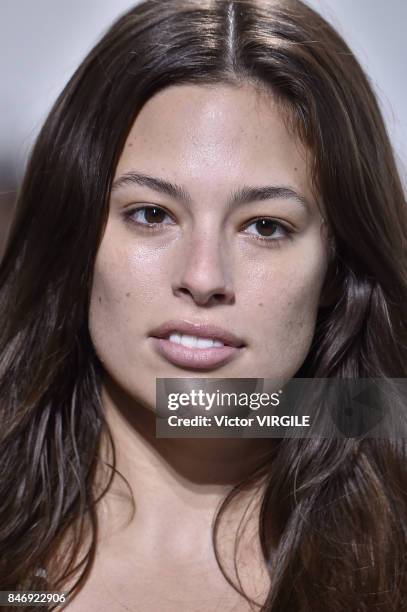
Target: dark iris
x=265, y=227
x=154, y=215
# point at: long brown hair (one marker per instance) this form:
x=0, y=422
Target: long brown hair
x=333, y=517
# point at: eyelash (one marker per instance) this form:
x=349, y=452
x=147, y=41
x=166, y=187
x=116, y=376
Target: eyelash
x=129, y=217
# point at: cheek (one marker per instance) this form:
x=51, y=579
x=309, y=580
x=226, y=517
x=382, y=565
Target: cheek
x=126, y=277
x=289, y=309
x=286, y=283
x=107, y=311
x=283, y=299
x=121, y=290
x=125, y=297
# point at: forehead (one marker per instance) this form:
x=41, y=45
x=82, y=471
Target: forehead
x=212, y=135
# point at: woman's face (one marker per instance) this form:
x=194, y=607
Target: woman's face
x=213, y=230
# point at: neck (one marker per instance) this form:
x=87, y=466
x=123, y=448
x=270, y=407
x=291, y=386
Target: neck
x=192, y=462
x=187, y=477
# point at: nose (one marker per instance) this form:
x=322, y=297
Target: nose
x=204, y=274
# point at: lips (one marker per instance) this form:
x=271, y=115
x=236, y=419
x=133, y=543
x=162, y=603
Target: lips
x=200, y=330
x=192, y=356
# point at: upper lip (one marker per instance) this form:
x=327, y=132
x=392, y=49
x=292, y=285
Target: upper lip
x=201, y=330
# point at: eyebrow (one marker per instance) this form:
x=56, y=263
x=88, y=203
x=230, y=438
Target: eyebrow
x=243, y=195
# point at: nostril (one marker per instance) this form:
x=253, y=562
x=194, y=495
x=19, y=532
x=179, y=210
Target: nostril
x=205, y=298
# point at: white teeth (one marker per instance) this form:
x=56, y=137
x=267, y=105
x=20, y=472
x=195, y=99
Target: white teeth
x=194, y=341
x=204, y=343
x=175, y=338
x=189, y=341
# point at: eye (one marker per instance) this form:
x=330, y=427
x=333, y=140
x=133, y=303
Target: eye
x=268, y=229
x=149, y=216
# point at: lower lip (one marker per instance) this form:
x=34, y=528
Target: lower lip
x=199, y=359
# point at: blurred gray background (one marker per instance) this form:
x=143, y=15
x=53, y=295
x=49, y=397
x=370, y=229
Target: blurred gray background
x=43, y=41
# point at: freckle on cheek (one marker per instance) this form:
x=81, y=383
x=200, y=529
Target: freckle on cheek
x=100, y=299
x=260, y=303
x=128, y=294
